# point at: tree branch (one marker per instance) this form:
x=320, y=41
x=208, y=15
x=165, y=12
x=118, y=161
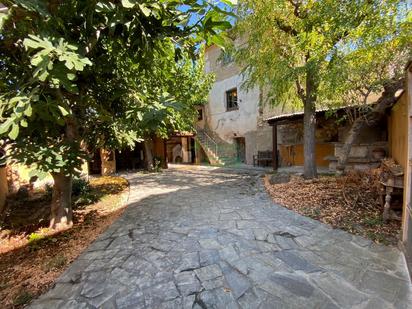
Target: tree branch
x=297, y=8
x=301, y=91
x=386, y=100
x=285, y=28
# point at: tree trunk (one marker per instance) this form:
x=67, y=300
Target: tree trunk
x=148, y=145
x=61, y=205
x=309, y=129
x=386, y=100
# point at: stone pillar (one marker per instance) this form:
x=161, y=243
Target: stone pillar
x=185, y=148
x=108, y=158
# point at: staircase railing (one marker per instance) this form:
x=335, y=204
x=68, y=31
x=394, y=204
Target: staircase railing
x=208, y=141
x=211, y=144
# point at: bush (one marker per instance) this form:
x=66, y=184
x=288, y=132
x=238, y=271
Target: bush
x=83, y=193
x=157, y=164
x=80, y=187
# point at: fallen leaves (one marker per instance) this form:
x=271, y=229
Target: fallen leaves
x=350, y=202
x=31, y=260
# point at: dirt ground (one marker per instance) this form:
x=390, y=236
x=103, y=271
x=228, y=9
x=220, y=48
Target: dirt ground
x=350, y=202
x=32, y=256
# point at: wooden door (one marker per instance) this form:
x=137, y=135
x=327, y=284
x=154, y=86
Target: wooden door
x=241, y=149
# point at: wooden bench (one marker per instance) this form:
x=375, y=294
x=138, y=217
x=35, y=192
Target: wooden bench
x=263, y=158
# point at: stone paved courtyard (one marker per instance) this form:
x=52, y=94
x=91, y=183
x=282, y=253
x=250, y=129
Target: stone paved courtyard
x=212, y=238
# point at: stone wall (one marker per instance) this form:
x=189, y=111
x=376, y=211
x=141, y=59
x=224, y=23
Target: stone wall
x=362, y=156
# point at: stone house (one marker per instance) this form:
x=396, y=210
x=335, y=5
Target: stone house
x=233, y=118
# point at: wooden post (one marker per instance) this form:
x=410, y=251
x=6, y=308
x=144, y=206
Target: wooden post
x=275, y=146
x=165, y=163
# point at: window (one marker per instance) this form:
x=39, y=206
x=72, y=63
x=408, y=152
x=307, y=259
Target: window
x=231, y=99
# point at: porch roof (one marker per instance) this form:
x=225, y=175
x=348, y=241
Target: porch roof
x=287, y=118
x=337, y=112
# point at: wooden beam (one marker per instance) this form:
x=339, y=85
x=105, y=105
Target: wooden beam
x=275, y=147
x=165, y=163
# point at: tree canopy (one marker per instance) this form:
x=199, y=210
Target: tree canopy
x=322, y=53
x=105, y=72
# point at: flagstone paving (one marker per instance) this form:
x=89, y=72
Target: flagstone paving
x=212, y=238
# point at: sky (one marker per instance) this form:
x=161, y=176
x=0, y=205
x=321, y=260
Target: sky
x=194, y=18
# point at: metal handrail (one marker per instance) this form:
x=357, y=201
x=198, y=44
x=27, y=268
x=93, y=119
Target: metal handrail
x=209, y=142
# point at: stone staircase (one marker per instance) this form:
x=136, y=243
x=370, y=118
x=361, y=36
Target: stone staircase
x=218, y=151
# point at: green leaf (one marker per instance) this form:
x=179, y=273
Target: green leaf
x=230, y=2
x=63, y=111
x=218, y=40
x=29, y=110
x=105, y=7
x=86, y=61
x=14, y=131
x=3, y=19
x=36, y=173
x=34, y=6
x=145, y=10
x=35, y=42
x=5, y=126
x=128, y=4
x=23, y=123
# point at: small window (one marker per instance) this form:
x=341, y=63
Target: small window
x=200, y=114
x=231, y=99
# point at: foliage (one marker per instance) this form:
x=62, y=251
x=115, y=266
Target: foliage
x=82, y=192
x=35, y=240
x=103, y=72
x=347, y=47
x=158, y=102
x=80, y=186
x=34, y=237
x=157, y=164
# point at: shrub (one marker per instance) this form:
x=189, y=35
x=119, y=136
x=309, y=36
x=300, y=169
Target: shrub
x=83, y=193
x=157, y=164
x=80, y=187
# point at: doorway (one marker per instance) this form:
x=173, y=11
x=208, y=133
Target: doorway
x=192, y=150
x=130, y=159
x=240, y=149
